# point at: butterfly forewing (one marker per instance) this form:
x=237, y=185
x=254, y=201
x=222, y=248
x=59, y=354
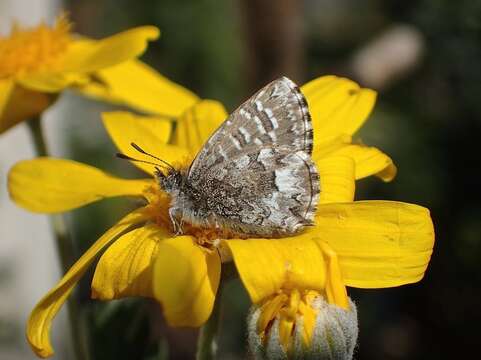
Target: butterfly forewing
x=276, y=115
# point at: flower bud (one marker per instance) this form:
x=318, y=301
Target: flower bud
x=298, y=324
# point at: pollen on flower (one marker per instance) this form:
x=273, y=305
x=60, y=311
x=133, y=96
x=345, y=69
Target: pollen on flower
x=157, y=210
x=40, y=48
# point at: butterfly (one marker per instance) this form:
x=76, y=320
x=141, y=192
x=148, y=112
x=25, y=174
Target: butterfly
x=254, y=176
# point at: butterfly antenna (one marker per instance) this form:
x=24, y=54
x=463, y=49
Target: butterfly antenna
x=126, y=157
x=142, y=151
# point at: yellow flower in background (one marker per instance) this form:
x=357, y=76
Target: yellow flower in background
x=137, y=85
x=38, y=63
x=363, y=244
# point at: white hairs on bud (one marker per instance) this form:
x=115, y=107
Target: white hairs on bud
x=334, y=336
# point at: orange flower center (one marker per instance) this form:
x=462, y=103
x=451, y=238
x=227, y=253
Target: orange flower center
x=32, y=50
x=158, y=210
x=158, y=206
x=285, y=310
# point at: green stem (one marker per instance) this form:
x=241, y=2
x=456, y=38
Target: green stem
x=65, y=251
x=36, y=132
x=207, y=343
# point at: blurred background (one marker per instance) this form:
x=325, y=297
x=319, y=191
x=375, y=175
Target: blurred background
x=424, y=59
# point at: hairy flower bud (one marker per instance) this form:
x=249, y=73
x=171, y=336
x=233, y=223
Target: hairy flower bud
x=302, y=325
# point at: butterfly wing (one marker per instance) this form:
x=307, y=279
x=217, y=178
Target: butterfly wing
x=266, y=192
x=277, y=115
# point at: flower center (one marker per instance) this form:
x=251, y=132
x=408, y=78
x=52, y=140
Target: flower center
x=291, y=311
x=158, y=210
x=36, y=49
x=158, y=206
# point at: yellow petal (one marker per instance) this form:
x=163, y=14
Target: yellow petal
x=40, y=320
x=337, y=105
x=266, y=266
x=150, y=133
x=369, y=161
x=186, y=278
x=49, y=82
x=337, y=179
x=196, y=125
x=51, y=185
x=329, y=145
x=378, y=243
x=136, y=84
x=85, y=55
x=125, y=269
x=18, y=104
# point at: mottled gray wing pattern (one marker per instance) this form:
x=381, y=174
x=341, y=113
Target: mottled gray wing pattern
x=277, y=115
x=265, y=192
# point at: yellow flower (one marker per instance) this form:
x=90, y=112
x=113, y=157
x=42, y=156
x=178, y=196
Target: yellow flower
x=364, y=244
x=37, y=63
x=379, y=244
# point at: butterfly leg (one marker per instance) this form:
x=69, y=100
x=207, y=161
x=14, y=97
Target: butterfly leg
x=219, y=231
x=177, y=227
x=335, y=288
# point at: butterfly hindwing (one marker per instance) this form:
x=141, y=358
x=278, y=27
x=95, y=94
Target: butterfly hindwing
x=264, y=191
x=277, y=115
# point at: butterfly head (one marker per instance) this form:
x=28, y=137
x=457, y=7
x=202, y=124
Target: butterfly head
x=169, y=178
x=170, y=181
